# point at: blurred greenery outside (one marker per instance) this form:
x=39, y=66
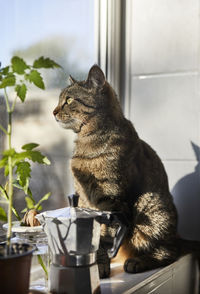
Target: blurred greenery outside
x=60, y=49
x=34, y=121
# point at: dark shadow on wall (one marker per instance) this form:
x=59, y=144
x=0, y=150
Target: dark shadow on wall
x=186, y=194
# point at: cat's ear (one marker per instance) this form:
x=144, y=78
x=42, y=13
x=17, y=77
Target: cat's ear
x=71, y=80
x=96, y=77
x=196, y=149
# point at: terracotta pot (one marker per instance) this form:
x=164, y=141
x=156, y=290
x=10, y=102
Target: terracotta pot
x=15, y=268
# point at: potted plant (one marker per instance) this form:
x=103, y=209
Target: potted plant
x=17, y=171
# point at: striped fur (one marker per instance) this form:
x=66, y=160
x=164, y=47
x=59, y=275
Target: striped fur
x=115, y=170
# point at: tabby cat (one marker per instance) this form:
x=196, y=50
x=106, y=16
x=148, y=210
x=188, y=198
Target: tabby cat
x=115, y=170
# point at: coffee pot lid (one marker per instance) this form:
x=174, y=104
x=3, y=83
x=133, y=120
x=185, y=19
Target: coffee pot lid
x=69, y=213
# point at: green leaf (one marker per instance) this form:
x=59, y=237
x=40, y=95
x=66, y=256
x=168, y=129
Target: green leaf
x=35, y=77
x=46, y=161
x=16, y=214
x=30, y=146
x=26, y=186
x=21, y=91
x=3, y=161
x=5, y=195
x=8, y=81
x=23, y=172
x=5, y=70
x=3, y=192
x=3, y=215
x=24, y=210
x=6, y=170
x=35, y=156
x=44, y=198
x=29, y=202
x=27, y=192
x=17, y=185
x=9, y=152
x=18, y=65
x=45, y=63
x=21, y=156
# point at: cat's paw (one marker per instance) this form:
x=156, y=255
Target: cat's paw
x=134, y=266
x=104, y=270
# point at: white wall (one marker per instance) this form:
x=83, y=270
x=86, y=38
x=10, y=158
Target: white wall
x=163, y=94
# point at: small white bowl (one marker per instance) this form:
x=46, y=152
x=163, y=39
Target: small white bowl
x=17, y=228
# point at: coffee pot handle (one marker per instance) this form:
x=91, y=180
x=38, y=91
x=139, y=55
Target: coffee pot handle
x=112, y=219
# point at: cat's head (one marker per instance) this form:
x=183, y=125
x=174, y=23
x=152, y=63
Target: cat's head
x=83, y=101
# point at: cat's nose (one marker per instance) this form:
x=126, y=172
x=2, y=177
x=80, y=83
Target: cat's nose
x=55, y=111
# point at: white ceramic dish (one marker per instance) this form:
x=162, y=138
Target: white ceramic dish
x=17, y=228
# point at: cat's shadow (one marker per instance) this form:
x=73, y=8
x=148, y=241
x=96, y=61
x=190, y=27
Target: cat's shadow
x=186, y=194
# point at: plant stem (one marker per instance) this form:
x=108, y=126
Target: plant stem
x=42, y=265
x=14, y=103
x=10, y=171
x=7, y=101
x=3, y=130
x=10, y=180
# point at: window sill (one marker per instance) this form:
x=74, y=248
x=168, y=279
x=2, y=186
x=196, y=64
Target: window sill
x=180, y=277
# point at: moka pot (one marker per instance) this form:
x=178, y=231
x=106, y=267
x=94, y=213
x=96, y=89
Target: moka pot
x=73, y=237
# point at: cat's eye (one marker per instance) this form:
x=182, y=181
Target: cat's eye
x=69, y=100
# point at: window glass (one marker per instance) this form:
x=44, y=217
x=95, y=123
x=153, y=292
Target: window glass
x=64, y=31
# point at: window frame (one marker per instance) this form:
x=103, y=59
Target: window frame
x=108, y=15
x=113, y=45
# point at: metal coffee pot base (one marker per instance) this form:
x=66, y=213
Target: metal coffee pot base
x=74, y=280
